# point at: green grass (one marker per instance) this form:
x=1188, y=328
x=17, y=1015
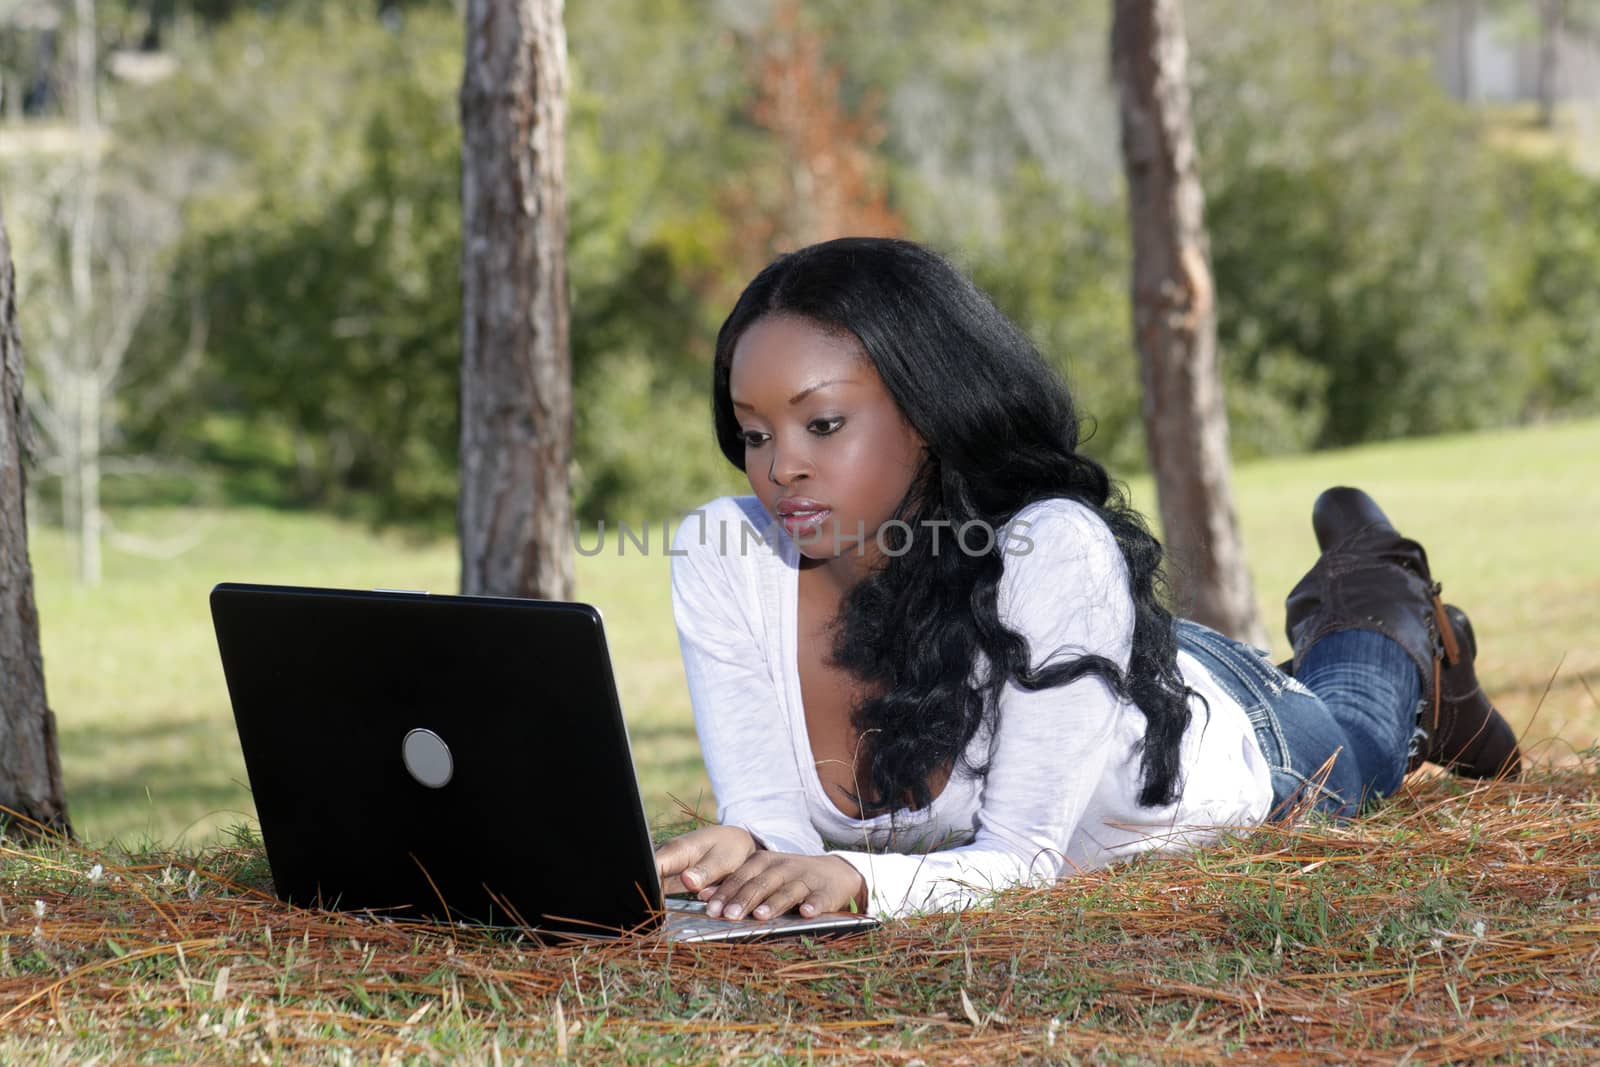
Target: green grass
x=148, y=746
x=147, y=737
x=1515, y=127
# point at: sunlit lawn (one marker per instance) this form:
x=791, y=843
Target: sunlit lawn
x=1509, y=520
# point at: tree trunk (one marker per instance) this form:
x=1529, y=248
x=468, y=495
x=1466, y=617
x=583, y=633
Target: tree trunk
x=1466, y=30
x=1552, y=19
x=86, y=456
x=516, y=376
x=84, y=483
x=30, y=768
x=1174, y=320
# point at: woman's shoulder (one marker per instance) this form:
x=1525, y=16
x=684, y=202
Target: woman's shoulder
x=723, y=578
x=1058, y=527
x=1056, y=549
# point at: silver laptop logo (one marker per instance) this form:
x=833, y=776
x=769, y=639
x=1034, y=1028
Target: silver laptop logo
x=428, y=758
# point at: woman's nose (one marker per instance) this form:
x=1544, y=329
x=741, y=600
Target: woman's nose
x=788, y=465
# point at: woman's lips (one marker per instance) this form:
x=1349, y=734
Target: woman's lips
x=804, y=522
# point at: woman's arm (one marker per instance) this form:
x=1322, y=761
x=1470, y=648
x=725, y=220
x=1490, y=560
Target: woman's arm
x=745, y=742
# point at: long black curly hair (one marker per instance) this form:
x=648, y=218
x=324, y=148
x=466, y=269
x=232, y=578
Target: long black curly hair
x=1001, y=432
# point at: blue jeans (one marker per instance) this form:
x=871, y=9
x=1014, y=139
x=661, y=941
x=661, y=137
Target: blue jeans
x=1339, y=733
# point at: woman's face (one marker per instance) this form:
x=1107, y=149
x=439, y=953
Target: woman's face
x=825, y=448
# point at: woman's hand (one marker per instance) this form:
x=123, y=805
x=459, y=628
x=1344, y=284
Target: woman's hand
x=723, y=866
x=771, y=883
x=696, y=861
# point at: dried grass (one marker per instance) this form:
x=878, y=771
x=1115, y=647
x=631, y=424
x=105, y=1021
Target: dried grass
x=1458, y=923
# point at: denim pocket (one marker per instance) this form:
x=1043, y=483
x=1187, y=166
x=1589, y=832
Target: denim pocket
x=1267, y=694
x=1249, y=677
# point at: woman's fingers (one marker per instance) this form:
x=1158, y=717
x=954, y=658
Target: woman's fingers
x=677, y=855
x=726, y=853
x=723, y=866
x=744, y=888
x=830, y=899
x=771, y=883
x=842, y=888
x=696, y=861
x=753, y=883
x=782, y=900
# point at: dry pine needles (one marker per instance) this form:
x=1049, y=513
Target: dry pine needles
x=1458, y=923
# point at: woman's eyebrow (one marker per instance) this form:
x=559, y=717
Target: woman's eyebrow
x=808, y=390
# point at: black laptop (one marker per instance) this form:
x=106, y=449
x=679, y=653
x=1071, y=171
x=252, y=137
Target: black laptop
x=450, y=758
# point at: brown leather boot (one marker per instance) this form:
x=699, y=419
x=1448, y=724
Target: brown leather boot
x=1470, y=736
x=1369, y=577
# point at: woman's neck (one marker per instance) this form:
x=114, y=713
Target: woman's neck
x=841, y=573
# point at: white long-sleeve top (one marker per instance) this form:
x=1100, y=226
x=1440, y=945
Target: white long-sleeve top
x=1060, y=793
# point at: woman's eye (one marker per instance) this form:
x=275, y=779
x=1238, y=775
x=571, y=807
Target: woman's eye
x=820, y=427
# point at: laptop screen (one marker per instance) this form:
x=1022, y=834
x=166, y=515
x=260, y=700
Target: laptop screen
x=441, y=757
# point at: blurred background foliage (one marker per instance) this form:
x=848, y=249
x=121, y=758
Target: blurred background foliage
x=1385, y=264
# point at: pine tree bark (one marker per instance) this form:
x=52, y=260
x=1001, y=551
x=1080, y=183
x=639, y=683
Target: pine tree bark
x=84, y=482
x=1466, y=29
x=1174, y=320
x=30, y=767
x=1552, y=23
x=516, y=379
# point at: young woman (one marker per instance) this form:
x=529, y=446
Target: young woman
x=929, y=657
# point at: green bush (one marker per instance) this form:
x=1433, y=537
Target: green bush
x=1381, y=269
x=1363, y=228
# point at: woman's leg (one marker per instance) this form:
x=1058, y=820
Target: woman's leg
x=1370, y=578
x=1371, y=689
x=1311, y=755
